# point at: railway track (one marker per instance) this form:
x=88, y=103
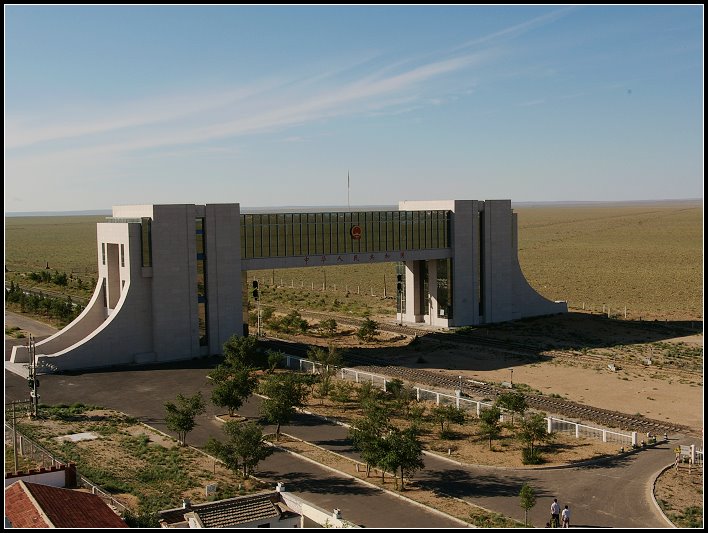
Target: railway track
x=509, y=347
x=553, y=406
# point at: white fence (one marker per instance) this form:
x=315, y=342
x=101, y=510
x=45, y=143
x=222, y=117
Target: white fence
x=475, y=407
x=556, y=425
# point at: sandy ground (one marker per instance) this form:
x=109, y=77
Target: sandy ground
x=632, y=391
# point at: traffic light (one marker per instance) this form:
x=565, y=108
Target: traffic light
x=399, y=283
x=255, y=289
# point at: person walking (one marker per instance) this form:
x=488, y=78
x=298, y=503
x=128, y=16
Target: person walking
x=555, y=513
x=566, y=517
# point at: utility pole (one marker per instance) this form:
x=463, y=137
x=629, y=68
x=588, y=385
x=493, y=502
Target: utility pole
x=14, y=437
x=257, y=297
x=33, y=382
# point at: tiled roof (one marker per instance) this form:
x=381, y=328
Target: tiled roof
x=20, y=509
x=62, y=507
x=229, y=513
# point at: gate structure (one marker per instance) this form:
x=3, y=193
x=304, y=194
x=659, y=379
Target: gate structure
x=172, y=278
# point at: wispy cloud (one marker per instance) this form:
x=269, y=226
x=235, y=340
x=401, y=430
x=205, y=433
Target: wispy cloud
x=210, y=115
x=531, y=103
x=133, y=114
x=519, y=29
x=179, y=120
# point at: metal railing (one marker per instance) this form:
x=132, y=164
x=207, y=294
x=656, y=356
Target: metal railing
x=26, y=447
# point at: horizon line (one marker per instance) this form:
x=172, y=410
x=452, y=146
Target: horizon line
x=529, y=203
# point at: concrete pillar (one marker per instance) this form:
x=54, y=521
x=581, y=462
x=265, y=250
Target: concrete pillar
x=634, y=438
x=604, y=435
x=577, y=431
x=465, y=263
x=433, y=292
x=413, y=295
x=437, y=398
x=498, y=233
x=417, y=394
x=550, y=425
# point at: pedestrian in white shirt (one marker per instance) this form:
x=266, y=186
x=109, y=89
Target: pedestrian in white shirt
x=555, y=513
x=566, y=517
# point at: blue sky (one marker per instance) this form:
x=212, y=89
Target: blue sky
x=272, y=106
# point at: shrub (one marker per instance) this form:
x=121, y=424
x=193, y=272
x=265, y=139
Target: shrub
x=531, y=456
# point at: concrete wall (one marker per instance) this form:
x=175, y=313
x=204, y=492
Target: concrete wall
x=343, y=259
x=53, y=477
x=224, y=280
x=497, y=261
x=174, y=287
x=485, y=261
x=465, y=242
x=125, y=336
x=313, y=512
x=83, y=325
x=526, y=301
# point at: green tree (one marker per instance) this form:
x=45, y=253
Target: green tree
x=328, y=327
x=446, y=415
x=232, y=386
x=416, y=414
x=368, y=330
x=401, y=395
x=531, y=432
x=489, y=424
x=243, y=352
x=528, y=501
x=244, y=449
x=292, y=323
x=60, y=279
x=275, y=359
x=401, y=451
x=514, y=402
x=329, y=359
x=341, y=392
x=367, y=392
x=285, y=392
x=267, y=314
x=180, y=416
x=367, y=433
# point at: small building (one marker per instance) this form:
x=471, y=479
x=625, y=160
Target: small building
x=265, y=509
x=32, y=505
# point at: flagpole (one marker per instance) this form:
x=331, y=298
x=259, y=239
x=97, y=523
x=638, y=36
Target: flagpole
x=348, y=204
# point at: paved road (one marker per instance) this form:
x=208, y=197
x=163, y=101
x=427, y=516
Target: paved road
x=142, y=393
x=38, y=329
x=614, y=494
x=611, y=494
